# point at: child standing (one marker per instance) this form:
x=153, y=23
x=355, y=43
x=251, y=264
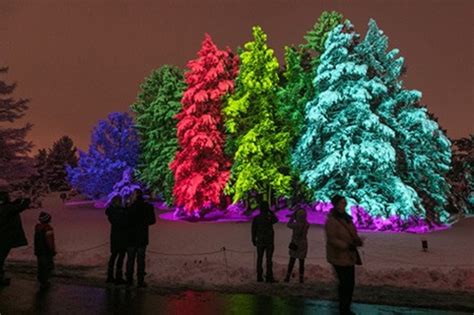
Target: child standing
x=45, y=249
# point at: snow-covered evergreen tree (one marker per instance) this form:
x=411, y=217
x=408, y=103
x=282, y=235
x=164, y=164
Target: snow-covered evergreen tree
x=158, y=102
x=201, y=167
x=423, y=150
x=346, y=149
x=261, y=146
x=114, y=148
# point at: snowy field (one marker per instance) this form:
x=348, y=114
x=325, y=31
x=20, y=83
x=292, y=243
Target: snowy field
x=190, y=254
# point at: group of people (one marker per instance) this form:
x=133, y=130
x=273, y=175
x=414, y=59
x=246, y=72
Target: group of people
x=12, y=235
x=131, y=217
x=342, y=242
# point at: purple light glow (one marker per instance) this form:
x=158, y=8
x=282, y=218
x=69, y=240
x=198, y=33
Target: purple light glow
x=316, y=214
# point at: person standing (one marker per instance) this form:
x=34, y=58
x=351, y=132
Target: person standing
x=117, y=217
x=141, y=215
x=45, y=249
x=299, y=242
x=342, y=241
x=263, y=238
x=12, y=234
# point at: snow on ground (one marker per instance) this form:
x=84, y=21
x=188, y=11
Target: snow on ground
x=391, y=259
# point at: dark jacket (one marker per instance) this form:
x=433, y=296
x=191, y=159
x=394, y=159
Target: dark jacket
x=44, y=240
x=140, y=215
x=11, y=229
x=262, y=229
x=118, y=219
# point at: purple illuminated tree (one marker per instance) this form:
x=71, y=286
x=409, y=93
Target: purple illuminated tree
x=114, y=148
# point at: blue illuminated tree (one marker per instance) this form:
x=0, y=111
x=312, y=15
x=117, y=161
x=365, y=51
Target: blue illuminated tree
x=345, y=147
x=114, y=148
x=423, y=150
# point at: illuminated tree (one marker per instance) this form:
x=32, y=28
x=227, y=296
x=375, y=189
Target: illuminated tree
x=201, y=168
x=156, y=106
x=345, y=148
x=114, y=148
x=423, y=150
x=261, y=145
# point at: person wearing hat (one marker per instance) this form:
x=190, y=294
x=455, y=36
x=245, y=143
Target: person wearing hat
x=342, y=241
x=45, y=249
x=12, y=234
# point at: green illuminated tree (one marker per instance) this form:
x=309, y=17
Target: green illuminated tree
x=155, y=108
x=261, y=144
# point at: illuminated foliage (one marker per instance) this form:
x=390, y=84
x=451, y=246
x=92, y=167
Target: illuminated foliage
x=157, y=104
x=261, y=144
x=201, y=168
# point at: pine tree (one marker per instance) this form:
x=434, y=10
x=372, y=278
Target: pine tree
x=461, y=176
x=423, y=150
x=261, y=147
x=346, y=149
x=157, y=104
x=16, y=166
x=201, y=168
x=114, y=148
x=60, y=156
x=317, y=36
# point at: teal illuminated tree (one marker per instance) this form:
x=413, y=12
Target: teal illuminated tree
x=345, y=148
x=261, y=144
x=423, y=150
x=201, y=168
x=156, y=106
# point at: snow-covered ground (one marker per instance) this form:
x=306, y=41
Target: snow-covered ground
x=190, y=254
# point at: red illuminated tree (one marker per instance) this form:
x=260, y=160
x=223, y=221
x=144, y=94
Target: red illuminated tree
x=201, y=168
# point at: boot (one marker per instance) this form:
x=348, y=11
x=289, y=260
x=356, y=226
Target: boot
x=301, y=278
x=120, y=281
x=4, y=282
x=270, y=279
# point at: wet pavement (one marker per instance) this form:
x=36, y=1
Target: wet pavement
x=23, y=297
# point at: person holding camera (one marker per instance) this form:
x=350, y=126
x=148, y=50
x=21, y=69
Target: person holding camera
x=299, y=242
x=12, y=234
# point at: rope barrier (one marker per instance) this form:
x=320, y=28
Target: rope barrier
x=86, y=249
x=185, y=254
x=224, y=250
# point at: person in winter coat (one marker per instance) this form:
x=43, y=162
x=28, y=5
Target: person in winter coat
x=45, y=249
x=12, y=234
x=140, y=215
x=299, y=242
x=342, y=241
x=263, y=238
x=117, y=216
